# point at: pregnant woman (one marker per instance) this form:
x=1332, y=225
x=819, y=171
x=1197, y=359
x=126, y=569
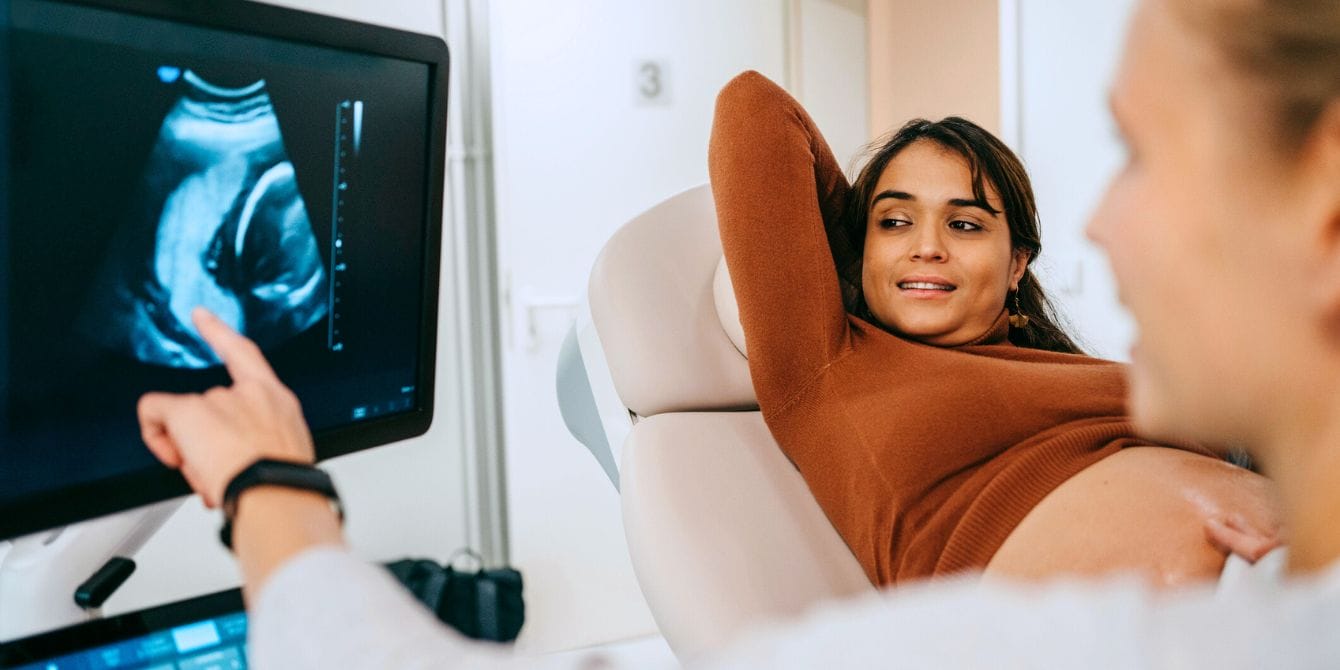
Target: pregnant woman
x=907, y=362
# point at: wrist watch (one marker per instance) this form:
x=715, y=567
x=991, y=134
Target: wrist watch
x=271, y=472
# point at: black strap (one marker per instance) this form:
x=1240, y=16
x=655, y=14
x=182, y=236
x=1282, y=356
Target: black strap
x=273, y=472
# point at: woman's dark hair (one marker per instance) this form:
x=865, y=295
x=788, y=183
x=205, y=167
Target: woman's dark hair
x=989, y=161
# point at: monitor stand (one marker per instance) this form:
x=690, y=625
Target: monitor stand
x=39, y=573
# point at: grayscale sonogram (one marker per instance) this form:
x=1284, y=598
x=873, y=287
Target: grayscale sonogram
x=218, y=223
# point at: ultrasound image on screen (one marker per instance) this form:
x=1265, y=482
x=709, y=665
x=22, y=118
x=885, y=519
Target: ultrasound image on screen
x=156, y=167
x=217, y=222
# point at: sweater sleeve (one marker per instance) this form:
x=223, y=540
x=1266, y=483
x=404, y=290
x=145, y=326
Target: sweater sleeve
x=778, y=189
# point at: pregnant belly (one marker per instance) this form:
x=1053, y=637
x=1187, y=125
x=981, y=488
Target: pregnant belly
x=1141, y=510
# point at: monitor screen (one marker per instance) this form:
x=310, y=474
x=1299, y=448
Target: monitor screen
x=203, y=633
x=281, y=169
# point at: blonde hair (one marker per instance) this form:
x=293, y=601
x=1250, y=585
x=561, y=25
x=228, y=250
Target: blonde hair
x=1290, y=46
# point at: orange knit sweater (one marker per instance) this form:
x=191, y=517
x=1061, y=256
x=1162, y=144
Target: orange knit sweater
x=924, y=458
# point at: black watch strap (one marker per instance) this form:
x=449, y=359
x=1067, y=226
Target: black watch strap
x=271, y=472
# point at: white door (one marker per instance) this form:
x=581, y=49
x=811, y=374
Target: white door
x=602, y=108
x=580, y=149
x=829, y=73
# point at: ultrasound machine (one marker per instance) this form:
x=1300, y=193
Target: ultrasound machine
x=284, y=170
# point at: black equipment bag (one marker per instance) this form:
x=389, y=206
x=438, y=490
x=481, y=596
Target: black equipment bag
x=481, y=604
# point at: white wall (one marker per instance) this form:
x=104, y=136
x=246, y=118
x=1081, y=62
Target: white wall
x=1067, y=54
x=576, y=155
x=405, y=499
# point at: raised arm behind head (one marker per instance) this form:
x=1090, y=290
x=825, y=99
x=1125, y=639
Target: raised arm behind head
x=778, y=189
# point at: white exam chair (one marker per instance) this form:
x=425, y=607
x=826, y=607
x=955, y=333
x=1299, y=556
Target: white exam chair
x=722, y=531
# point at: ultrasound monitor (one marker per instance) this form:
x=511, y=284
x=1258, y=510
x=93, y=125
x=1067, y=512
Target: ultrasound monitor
x=282, y=169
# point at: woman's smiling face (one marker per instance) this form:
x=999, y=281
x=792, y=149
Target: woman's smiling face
x=938, y=263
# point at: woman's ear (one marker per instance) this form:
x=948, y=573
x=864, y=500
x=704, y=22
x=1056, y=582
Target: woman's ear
x=1018, y=266
x=1323, y=157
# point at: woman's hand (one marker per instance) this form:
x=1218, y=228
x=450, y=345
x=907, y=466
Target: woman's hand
x=214, y=435
x=1233, y=534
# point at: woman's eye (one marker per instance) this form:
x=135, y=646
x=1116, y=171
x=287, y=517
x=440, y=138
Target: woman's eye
x=964, y=225
x=893, y=223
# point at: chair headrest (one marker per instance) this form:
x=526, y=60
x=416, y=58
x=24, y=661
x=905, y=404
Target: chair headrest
x=653, y=302
x=728, y=311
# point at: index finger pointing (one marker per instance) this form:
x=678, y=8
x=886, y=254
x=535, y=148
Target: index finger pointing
x=240, y=355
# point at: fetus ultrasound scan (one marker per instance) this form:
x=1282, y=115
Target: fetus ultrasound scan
x=218, y=222
x=152, y=167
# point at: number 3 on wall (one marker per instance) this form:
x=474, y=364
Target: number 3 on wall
x=651, y=83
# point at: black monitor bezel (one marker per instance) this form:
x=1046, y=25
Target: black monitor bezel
x=93, y=634
x=75, y=503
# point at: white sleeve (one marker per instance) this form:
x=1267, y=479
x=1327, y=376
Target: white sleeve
x=327, y=609
x=962, y=623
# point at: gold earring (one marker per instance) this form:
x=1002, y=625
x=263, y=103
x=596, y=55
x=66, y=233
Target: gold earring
x=1018, y=319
